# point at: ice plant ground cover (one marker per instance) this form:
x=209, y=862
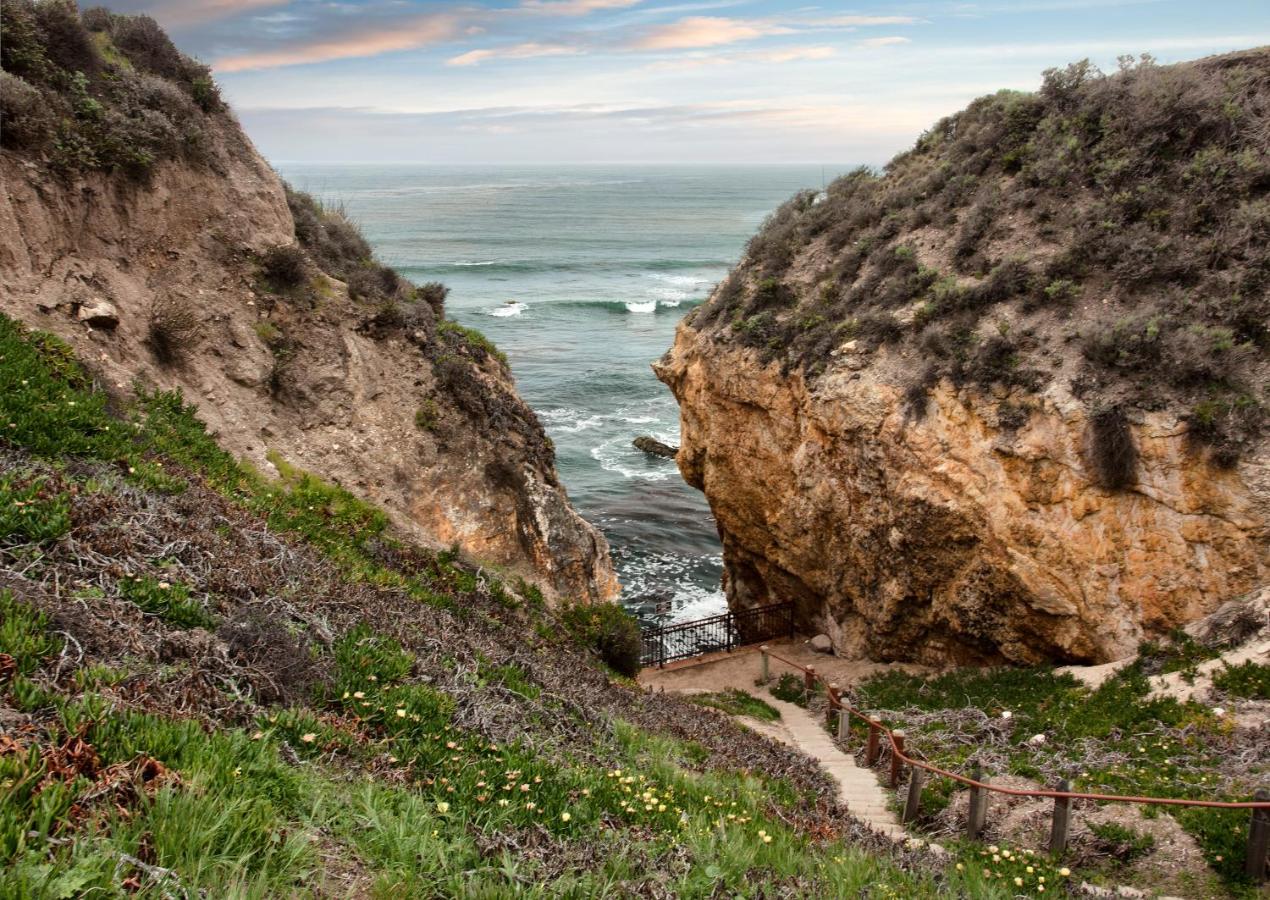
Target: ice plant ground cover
x=216, y=682
x=1037, y=726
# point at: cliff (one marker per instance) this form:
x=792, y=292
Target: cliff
x=1004, y=400
x=138, y=223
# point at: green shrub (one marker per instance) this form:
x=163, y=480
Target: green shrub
x=1123, y=843
x=608, y=629
x=471, y=338
x=1249, y=680
x=426, y=416
x=433, y=293
x=169, y=600
x=736, y=702
x=284, y=266
x=31, y=512
x=24, y=635
x=790, y=688
x=27, y=119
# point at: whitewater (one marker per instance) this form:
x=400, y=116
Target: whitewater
x=580, y=275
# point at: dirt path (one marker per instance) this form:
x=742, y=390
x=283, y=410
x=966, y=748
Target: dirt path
x=858, y=788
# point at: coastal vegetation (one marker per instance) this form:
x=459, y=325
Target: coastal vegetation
x=1117, y=219
x=1033, y=727
x=213, y=681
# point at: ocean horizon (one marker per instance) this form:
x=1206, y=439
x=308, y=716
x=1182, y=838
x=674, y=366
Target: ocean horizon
x=580, y=274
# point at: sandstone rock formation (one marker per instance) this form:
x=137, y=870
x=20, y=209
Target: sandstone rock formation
x=314, y=376
x=980, y=407
x=953, y=538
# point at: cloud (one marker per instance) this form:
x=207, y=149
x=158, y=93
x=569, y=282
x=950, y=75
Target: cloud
x=885, y=41
x=791, y=54
x=705, y=31
x=178, y=14
x=574, y=7
x=860, y=21
x=773, y=57
x=519, y=51
x=419, y=32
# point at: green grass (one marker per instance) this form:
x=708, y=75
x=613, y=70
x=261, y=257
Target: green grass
x=736, y=702
x=389, y=783
x=450, y=329
x=1118, y=719
x=229, y=817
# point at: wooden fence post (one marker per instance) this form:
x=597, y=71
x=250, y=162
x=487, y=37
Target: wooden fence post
x=832, y=692
x=913, y=802
x=766, y=675
x=978, y=812
x=844, y=724
x=809, y=680
x=873, y=751
x=897, y=764
x=1258, y=839
x=1062, y=819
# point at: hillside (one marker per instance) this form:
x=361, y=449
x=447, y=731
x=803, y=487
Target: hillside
x=1005, y=398
x=138, y=223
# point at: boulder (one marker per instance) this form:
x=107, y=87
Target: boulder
x=98, y=313
x=655, y=447
x=821, y=643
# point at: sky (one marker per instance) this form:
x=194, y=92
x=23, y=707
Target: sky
x=651, y=81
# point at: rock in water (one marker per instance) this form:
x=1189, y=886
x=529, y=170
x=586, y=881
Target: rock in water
x=821, y=643
x=655, y=447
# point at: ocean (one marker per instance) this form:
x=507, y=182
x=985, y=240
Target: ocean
x=579, y=275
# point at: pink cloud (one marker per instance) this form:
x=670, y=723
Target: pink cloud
x=574, y=7
x=419, y=32
x=705, y=31
x=519, y=51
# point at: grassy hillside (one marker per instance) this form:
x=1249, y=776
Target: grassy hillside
x=213, y=682
x=1032, y=727
x=1108, y=231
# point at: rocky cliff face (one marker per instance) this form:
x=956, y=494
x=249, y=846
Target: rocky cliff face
x=301, y=348
x=927, y=409
x=956, y=538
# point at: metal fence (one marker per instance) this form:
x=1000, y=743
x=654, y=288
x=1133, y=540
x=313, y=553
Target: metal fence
x=733, y=629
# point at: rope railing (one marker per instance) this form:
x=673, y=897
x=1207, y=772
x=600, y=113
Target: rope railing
x=1258, y=832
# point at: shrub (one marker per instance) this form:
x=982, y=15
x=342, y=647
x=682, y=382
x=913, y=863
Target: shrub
x=66, y=41
x=433, y=293
x=170, y=601
x=1123, y=843
x=609, y=630
x=736, y=702
x=334, y=242
x=426, y=416
x=173, y=328
x=31, y=511
x=148, y=47
x=27, y=117
x=284, y=266
x=1111, y=454
x=791, y=689
x=1250, y=680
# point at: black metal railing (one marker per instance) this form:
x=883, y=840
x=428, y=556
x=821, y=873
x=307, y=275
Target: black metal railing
x=682, y=640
